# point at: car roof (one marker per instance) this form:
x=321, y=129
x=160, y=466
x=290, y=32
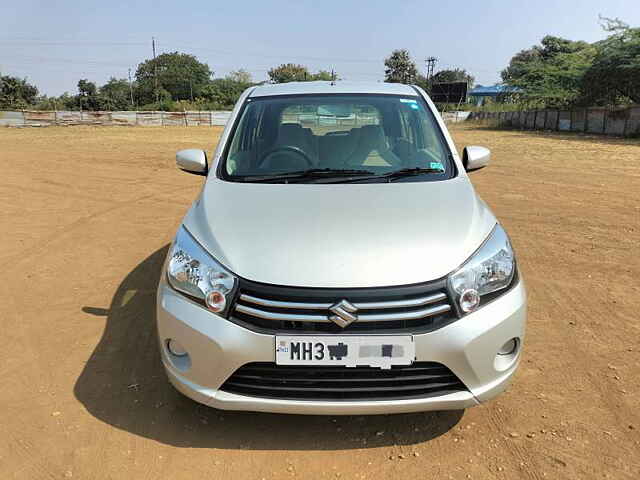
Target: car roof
x=302, y=88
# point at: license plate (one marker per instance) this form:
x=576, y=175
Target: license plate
x=347, y=351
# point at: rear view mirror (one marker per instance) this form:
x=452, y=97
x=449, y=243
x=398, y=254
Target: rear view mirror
x=192, y=160
x=474, y=157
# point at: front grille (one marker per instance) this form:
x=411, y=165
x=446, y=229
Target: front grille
x=414, y=308
x=268, y=380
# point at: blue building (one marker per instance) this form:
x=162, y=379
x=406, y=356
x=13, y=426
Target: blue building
x=496, y=92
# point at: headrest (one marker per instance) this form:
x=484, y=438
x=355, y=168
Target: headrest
x=372, y=136
x=291, y=134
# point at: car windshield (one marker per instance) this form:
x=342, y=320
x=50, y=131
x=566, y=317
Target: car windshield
x=333, y=135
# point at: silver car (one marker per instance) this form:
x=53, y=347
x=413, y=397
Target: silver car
x=339, y=261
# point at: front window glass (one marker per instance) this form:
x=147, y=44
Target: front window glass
x=372, y=134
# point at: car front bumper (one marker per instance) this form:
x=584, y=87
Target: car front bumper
x=218, y=347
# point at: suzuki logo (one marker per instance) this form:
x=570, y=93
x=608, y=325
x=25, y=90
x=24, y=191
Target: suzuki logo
x=345, y=313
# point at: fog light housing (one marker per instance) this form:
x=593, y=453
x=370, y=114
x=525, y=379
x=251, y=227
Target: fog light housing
x=507, y=355
x=175, y=348
x=509, y=347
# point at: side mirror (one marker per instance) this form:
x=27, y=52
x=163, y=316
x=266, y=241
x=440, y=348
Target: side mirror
x=192, y=160
x=474, y=158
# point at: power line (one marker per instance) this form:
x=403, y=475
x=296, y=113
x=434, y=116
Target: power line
x=258, y=68
x=66, y=60
x=39, y=43
x=192, y=47
x=283, y=57
x=346, y=73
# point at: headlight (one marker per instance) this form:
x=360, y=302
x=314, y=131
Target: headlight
x=490, y=269
x=193, y=271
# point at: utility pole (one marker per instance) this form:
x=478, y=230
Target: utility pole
x=130, y=88
x=155, y=69
x=431, y=65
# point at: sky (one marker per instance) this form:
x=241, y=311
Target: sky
x=55, y=43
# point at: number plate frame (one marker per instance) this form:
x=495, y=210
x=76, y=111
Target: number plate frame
x=381, y=351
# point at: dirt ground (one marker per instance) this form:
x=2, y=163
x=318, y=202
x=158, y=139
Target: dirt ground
x=85, y=219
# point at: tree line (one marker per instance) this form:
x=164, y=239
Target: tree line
x=172, y=81
x=556, y=73
x=565, y=73
x=178, y=81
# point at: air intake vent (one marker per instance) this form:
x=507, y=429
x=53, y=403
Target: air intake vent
x=268, y=380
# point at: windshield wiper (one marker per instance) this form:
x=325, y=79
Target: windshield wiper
x=302, y=174
x=407, y=172
x=403, y=172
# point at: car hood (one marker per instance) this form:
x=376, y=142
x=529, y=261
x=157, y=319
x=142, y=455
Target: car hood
x=340, y=235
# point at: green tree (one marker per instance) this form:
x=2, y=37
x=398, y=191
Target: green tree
x=224, y=92
x=61, y=102
x=453, y=75
x=66, y=101
x=16, y=93
x=88, y=95
x=614, y=76
x=179, y=75
x=324, y=75
x=240, y=76
x=115, y=95
x=289, y=72
x=550, y=74
x=400, y=68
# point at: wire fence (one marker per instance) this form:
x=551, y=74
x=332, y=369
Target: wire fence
x=621, y=121
x=35, y=118
x=607, y=121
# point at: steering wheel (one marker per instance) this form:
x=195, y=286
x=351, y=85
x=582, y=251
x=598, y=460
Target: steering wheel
x=286, y=149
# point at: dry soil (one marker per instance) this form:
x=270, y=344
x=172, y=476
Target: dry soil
x=86, y=215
